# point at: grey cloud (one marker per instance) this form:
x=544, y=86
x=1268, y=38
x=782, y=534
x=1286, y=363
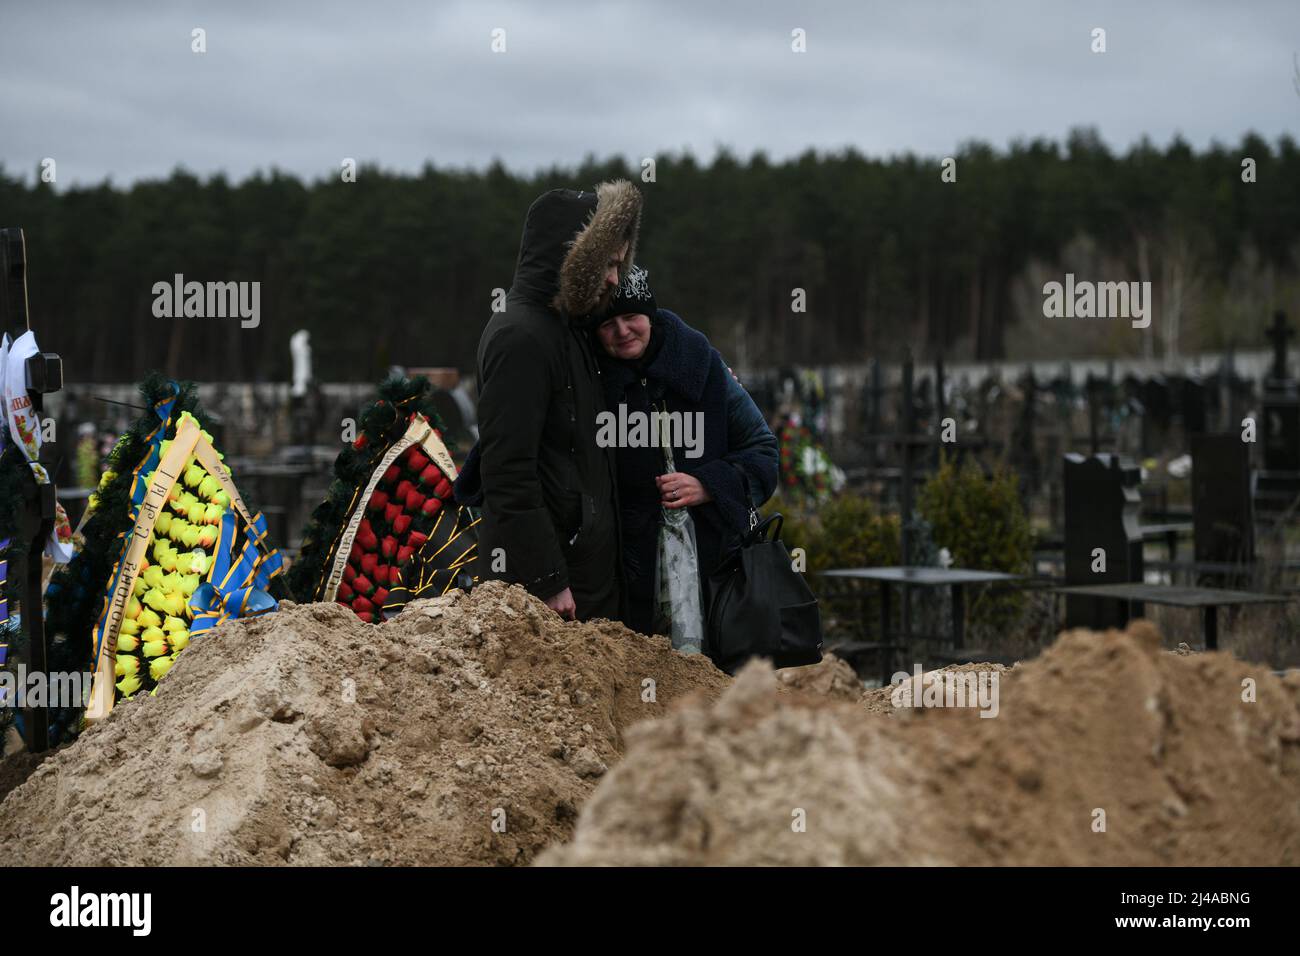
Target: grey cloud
x=112, y=90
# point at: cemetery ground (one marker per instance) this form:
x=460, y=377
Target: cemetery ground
x=480, y=729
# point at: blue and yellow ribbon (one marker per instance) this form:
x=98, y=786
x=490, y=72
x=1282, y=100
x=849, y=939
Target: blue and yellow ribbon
x=4, y=602
x=236, y=586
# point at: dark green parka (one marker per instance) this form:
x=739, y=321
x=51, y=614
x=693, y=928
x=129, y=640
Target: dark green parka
x=547, y=491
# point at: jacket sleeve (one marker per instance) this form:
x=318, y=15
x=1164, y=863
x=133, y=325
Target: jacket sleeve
x=747, y=474
x=750, y=439
x=512, y=407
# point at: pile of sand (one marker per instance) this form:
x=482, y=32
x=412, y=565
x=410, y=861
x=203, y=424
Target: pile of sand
x=832, y=679
x=479, y=729
x=1105, y=750
x=469, y=730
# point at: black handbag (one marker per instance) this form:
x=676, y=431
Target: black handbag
x=760, y=606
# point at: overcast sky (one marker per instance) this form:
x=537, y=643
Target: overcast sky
x=113, y=89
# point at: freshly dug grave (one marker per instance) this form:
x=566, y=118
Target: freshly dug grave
x=467, y=731
x=1105, y=750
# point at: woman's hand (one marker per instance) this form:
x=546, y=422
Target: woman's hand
x=679, y=490
x=563, y=605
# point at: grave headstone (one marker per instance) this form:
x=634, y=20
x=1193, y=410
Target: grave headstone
x=1102, y=542
x=1279, y=332
x=1281, y=426
x=1223, y=513
x=1158, y=408
x=1223, y=386
x=1193, y=407
x=1278, y=484
x=940, y=410
x=906, y=422
x=872, y=397
x=1024, y=444
x=1100, y=392
x=940, y=388
x=922, y=403
x=1241, y=395
x=1131, y=389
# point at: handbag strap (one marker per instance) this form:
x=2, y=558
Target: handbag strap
x=759, y=533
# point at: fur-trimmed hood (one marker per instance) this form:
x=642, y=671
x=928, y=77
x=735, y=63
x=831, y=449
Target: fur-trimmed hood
x=615, y=220
x=568, y=237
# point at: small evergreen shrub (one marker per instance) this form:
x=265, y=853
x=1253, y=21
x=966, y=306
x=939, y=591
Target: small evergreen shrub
x=979, y=518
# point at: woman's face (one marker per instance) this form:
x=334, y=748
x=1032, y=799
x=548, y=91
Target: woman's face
x=625, y=336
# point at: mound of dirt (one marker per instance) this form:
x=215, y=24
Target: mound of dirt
x=467, y=731
x=1104, y=750
x=832, y=679
x=17, y=765
x=880, y=700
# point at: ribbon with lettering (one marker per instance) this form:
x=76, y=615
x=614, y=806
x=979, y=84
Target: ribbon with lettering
x=148, y=499
x=122, y=580
x=418, y=432
x=232, y=584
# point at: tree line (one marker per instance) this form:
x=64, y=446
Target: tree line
x=400, y=268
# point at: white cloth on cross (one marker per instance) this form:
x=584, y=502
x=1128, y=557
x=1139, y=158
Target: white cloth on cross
x=24, y=429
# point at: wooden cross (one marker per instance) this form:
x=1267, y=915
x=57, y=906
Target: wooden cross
x=44, y=374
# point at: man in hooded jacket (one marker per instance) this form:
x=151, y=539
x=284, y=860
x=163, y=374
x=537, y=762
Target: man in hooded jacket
x=546, y=489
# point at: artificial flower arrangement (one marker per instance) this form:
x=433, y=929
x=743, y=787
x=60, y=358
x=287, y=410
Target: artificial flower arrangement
x=804, y=465
x=389, y=530
x=170, y=551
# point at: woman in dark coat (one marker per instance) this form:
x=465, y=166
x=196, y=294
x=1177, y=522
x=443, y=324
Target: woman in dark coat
x=650, y=360
x=545, y=487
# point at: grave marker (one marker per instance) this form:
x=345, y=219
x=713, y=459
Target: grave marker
x=1102, y=502
x=1223, y=512
x=1279, y=480
x=1281, y=429
x=35, y=513
x=1193, y=401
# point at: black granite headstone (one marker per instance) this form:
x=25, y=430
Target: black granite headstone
x=1193, y=409
x=1095, y=390
x=1159, y=404
x=1279, y=332
x=1278, y=484
x=1223, y=511
x=1281, y=425
x=873, y=392
x=1102, y=502
x=1024, y=445
x=1281, y=433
